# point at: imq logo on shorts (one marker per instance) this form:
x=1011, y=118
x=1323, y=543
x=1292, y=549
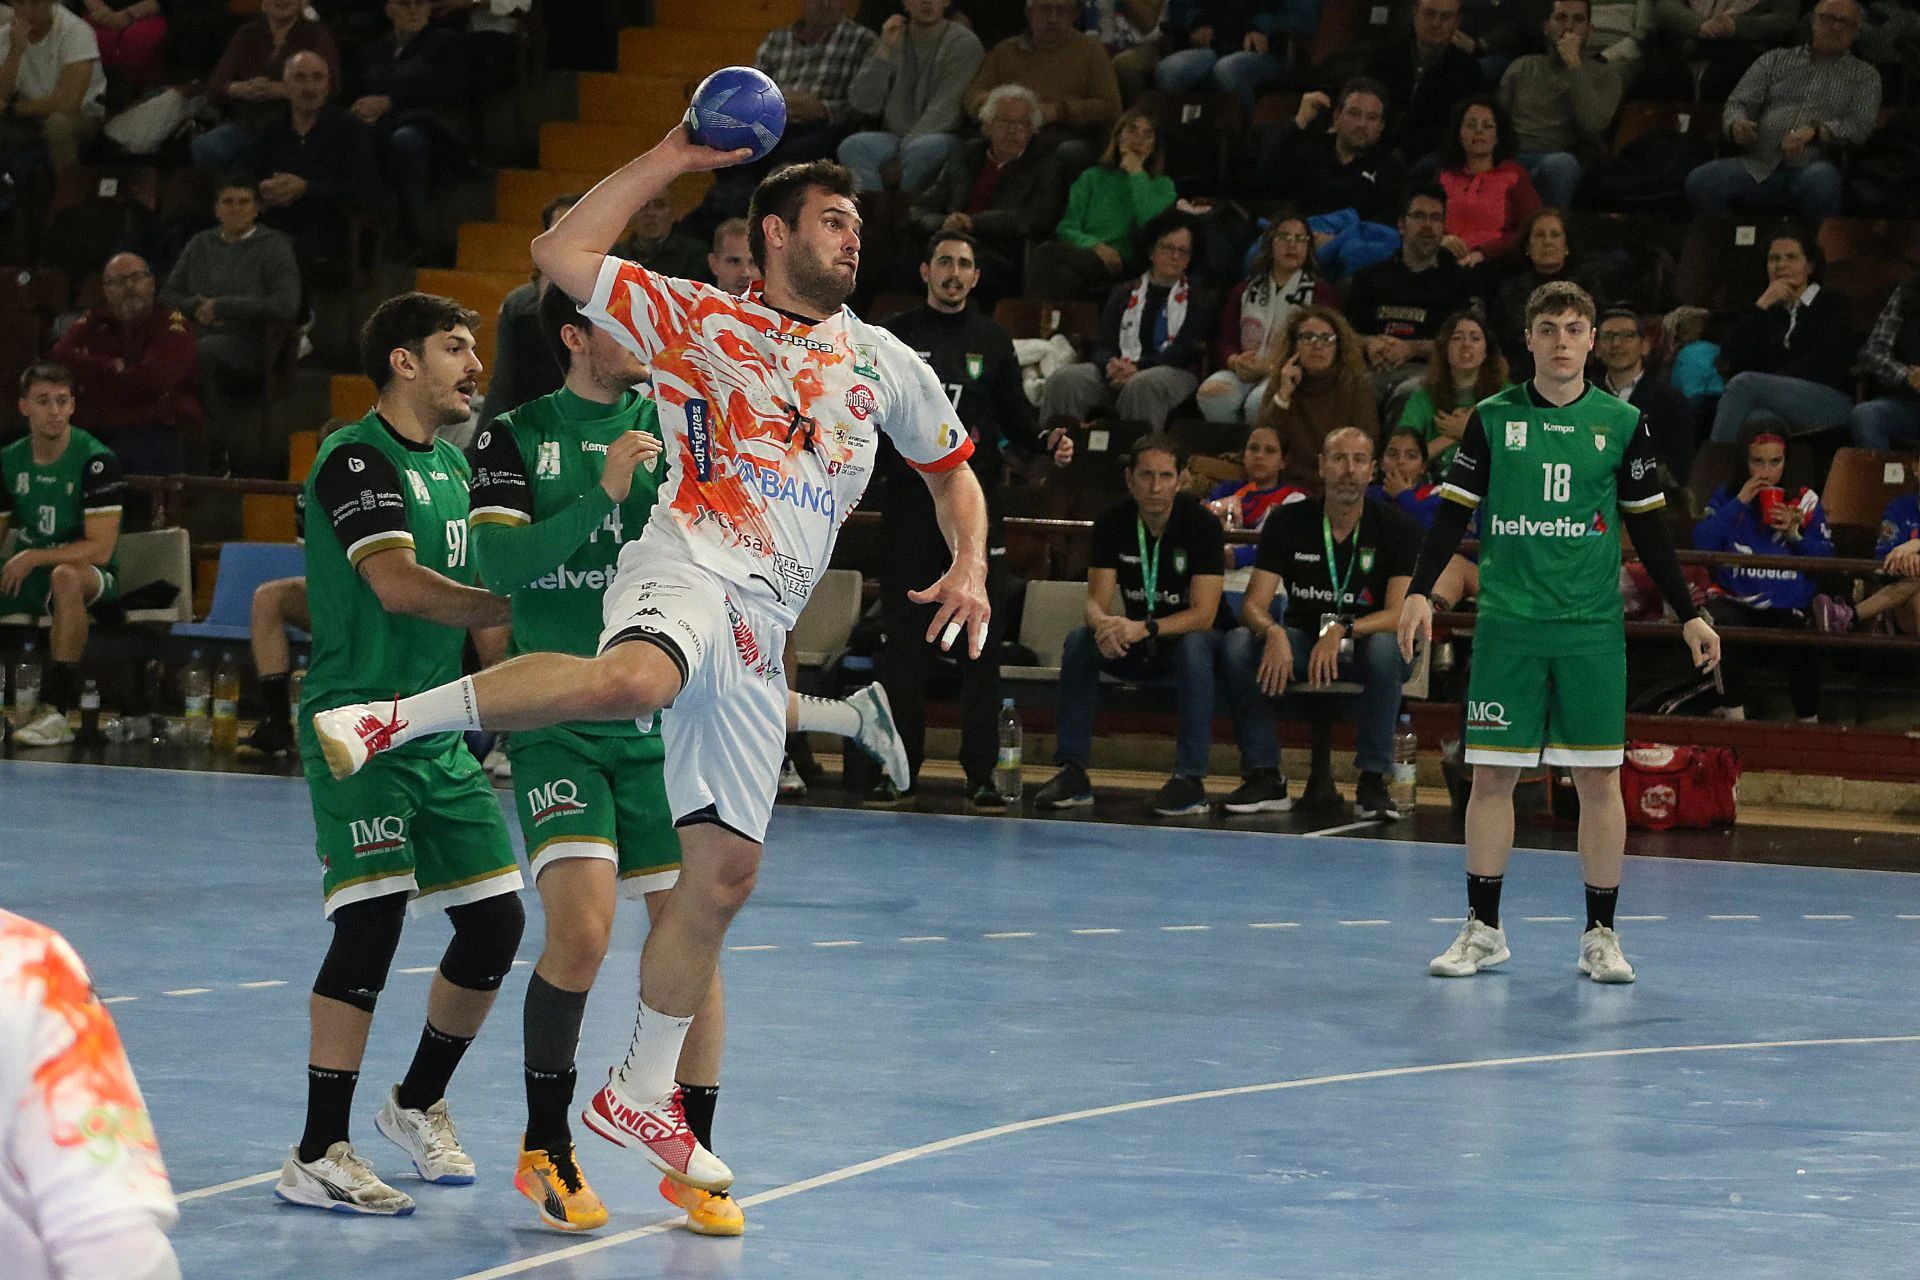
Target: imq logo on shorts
x=377, y=835
x=1487, y=715
x=557, y=799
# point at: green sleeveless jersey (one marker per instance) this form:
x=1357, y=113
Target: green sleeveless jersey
x=49, y=503
x=1550, y=483
x=536, y=479
x=372, y=490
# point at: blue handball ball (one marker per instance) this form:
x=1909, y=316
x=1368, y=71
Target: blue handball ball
x=737, y=107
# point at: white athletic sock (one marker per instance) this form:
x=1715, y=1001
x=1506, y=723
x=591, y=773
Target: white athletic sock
x=827, y=715
x=448, y=707
x=647, y=1073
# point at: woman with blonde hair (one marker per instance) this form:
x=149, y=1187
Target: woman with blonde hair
x=1319, y=383
x=1106, y=208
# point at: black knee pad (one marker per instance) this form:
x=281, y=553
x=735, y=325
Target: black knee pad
x=365, y=935
x=486, y=935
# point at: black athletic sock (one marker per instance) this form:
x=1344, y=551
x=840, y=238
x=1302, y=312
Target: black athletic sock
x=329, y=1102
x=698, y=1100
x=273, y=695
x=60, y=690
x=1483, y=899
x=433, y=1065
x=549, y=1099
x=1600, y=904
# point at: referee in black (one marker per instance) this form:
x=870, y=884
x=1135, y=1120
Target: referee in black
x=973, y=358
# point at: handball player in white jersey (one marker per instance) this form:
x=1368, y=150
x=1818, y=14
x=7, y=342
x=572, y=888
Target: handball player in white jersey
x=771, y=406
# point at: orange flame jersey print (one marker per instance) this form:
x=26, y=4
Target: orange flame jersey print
x=770, y=423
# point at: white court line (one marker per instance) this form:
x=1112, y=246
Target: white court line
x=1828, y=917
x=841, y=942
x=1446, y=919
x=1090, y=933
x=1268, y=924
x=269, y=982
x=1907, y=917
x=1733, y=917
x=1015, y=933
x=762, y=946
x=1362, y=923
x=1185, y=928
x=421, y=968
x=119, y=999
x=1095, y=1113
x=187, y=991
x=1553, y=919
x=1351, y=826
x=1642, y=918
x=926, y=937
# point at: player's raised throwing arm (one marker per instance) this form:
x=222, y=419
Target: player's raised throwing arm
x=961, y=592
x=569, y=253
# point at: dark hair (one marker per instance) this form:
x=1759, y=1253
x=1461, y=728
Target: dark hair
x=1110, y=158
x=1809, y=245
x=1587, y=3
x=1158, y=442
x=45, y=371
x=939, y=238
x=557, y=311
x=237, y=182
x=1454, y=156
x=1423, y=191
x=783, y=194
x=1363, y=84
x=407, y=320
x=550, y=211
x=1263, y=255
x=1493, y=370
x=1162, y=224
x=1617, y=313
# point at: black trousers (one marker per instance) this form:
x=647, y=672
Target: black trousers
x=1802, y=665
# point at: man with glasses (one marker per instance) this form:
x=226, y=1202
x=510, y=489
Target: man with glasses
x=136, y=370
x=1622, y=349
x=1341, y=164
x=1561, y=102
x=1397, y=305
x=1794, y=113
x=1435, y=69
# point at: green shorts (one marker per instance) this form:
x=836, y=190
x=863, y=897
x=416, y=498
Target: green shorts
x=38, y=587
x=1529, y=706
x=596, y=796
x=428, y=826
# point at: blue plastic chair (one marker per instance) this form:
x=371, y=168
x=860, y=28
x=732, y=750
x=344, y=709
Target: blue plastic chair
x=243, y=567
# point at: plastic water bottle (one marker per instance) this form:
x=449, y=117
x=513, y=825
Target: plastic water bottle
x=1006, y=766
x=90, y=714
x=1405, y=779
x=197, y=685
x=26, y=684
x=226, y=704
x=296, y=685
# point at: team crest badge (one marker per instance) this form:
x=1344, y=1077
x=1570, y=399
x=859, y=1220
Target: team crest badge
x=863, y=361
x=976, y=363
x=1366, y=559
x=1179, y=562
x=1516, y=435
x=1599, y=443
x=860, y=401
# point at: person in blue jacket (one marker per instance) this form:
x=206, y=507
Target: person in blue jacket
x=1899, y=554
x=1765, y=517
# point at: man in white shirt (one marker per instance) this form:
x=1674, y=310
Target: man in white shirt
x=51, y=82
x=82, y=1188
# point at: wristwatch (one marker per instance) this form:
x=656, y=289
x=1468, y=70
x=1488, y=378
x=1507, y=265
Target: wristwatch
x=1153, y=628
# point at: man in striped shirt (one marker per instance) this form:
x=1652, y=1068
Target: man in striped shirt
x=1793, y=112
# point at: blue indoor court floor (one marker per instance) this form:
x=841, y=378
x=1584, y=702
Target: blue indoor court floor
x=966, y=1047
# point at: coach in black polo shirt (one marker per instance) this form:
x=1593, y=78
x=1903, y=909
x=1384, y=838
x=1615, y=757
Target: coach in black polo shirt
x=1160, y=556
x=1345, y=561
x=973, y=357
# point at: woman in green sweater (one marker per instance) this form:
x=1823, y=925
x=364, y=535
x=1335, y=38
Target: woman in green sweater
x=1466, y=368
x=1106, y=208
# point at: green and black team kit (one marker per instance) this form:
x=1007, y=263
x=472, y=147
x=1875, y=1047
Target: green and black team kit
x=421, y=816
x=49, y=504
x=1552, y=484
x=547, y=535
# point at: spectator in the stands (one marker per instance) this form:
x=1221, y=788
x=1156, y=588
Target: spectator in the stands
x=1765, y=517
x=1319, y=385
x=1068, y=70
x=315, y=166
x=1153, y=593
x=999, y=189
x=1790, y=356
x=1621, y=347
x=1466, y=368
x=1702, y=47
x=51, y=82
x=1341, y=617
x=1794, y=114
x=136, y=371
x=1153, y=332
x=132, y=35
x=1338, y=164
x=1246, y=504
x=730, y=262
x=410, y=88
x=1283, y=277
x=1122, y=25
x=1546, y=254
x=1561, y=102
x=1489, y=196
x=1106, y=208
x=1495, y=32
x=524, y=365
x=1397, y=305
x=1404, y=478
x=1433, y=71
x=1232, y=46
x=1898, y=550
x=652, y=241
x=231, y=280
x=911, y=84
x=1694, y=368
x=1891, y=362
x=251, y=79
x=1622, y=29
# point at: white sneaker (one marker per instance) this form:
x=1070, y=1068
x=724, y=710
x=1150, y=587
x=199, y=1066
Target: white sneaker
x=46, y=728
x=349, y=735
x=791, y=783
x=428, y=1138
x=1477, y=948
x=1601, y=958
x=498, y=767
x=340, y=1182
x=879, y=737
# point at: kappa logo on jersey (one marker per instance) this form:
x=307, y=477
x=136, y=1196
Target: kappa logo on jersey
x=860, y=401
x=549, y=464
x=699, y=440
x=377, y=835
x=557, y=799
x=1487, y=715
x=419, y=487
x=1516, y=435
x=800, y=341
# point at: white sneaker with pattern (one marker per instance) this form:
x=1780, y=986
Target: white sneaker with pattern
x=340, y=1182
x=1478, y=947
x=429, y=1139
x=1601, y=958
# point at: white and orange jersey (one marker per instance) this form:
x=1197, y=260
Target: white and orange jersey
x=770, y=424
x=77, y=1153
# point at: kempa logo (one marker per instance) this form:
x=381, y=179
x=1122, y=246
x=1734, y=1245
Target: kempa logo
x=377, y=835
x=565, y=579
x=557, y=799
x=1487, y=715
x=1527, y=527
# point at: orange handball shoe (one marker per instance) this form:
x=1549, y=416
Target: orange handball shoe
x=707, y=1214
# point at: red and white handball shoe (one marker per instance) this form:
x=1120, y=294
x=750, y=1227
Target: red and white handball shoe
x=659, y=1132
x=353, y=734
